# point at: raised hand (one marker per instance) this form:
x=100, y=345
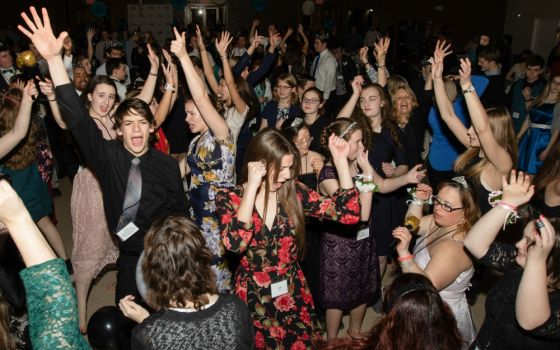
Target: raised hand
x=67, y=44
x=338, y=147
x=363, y=55
x=381, y=47
x=357, y=84
x=46, y=88
x=274, y=39
x=90, y=34
x=199, y=39
x=404, y=237
x=169, y=70
x=154, y=59
x=442, y=49
x=437, y=67
x=423, y=191
x=30, y=91
x=256, y=40
x=41, y=34
x=223, y=43
x=256, y=171
x=289, y=31
x=544, y=242
x=363, y=161
x=519, y=189
x=300, y=29
x=178, y=46
x=465, y=71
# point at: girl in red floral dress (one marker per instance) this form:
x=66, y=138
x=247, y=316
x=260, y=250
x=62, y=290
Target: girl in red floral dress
x=264, y=219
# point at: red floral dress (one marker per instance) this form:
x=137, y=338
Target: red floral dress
x=287, y=321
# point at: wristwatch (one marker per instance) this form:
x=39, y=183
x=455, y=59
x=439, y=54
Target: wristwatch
x=169, y=87
x=469, y=89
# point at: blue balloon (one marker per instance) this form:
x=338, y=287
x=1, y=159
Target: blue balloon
x=259, y=5
x=98, y=9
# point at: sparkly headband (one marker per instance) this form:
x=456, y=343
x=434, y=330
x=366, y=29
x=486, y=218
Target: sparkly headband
x=461, y=181
x=322, y=36
x=404, y=290
x=348, y=128
x=296, y=122
x=114, y=44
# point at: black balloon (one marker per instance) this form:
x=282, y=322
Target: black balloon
x=102, y=329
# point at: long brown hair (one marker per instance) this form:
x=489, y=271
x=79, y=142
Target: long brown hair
x=502, y=130
x=553, y=260
x=176, y=264
x=386, y=121
x=270, y=146
x=7, y=341
x=26, y=151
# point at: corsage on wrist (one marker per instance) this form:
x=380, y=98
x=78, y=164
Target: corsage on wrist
x=415, y=201
x=364, y=183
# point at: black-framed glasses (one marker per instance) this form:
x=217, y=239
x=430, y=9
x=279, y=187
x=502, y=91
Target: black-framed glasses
x=446, y=207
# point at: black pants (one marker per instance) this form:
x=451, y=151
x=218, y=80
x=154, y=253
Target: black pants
x=126, y=285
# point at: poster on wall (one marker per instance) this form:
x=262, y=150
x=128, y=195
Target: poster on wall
x=157, y=19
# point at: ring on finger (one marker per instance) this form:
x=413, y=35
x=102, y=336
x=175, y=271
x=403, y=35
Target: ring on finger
x=540, y=224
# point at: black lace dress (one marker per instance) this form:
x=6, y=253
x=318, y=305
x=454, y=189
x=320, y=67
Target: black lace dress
x=500, y=329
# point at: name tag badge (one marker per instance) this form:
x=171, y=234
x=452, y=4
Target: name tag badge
x=340, y=77
x=515, y=115
x=362, y=234
x=127, y=231
x=279, y=288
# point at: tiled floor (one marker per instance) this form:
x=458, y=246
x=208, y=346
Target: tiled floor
x=102, y=292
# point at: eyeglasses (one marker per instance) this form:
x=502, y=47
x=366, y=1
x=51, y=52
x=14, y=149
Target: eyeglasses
x=446, y=207
x=304, y=142
x=283, y=87
x=310, y=100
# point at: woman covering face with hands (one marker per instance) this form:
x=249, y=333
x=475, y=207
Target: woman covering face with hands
x=263, y=219
x=523, y=307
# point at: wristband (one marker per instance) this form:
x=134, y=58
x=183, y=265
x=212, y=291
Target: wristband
x=469, y=90
x=405, y=258
x=54, y=99
x=153, y=74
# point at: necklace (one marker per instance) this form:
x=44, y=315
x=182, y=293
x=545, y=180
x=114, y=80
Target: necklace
x=434, y=241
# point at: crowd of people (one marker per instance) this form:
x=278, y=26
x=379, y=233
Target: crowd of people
x=252, y=189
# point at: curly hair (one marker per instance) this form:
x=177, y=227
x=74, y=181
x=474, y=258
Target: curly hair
x=26, y=151
x=176, y=264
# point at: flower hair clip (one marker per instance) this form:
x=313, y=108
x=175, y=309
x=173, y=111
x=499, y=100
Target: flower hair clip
x=461, y=181
x=296, y=122
x=348, y=128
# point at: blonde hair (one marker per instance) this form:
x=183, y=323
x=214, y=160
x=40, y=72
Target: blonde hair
x=502, y=130
x=395, y=113
x=544, y=95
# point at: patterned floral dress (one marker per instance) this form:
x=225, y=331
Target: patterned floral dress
x=212, y=165
x=287, y=321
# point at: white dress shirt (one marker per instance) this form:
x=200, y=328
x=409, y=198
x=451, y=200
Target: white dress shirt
x=325, y=73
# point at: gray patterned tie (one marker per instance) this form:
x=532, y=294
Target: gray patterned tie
x=132, y=196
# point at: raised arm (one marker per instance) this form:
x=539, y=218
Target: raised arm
x=301, y=32
x=282, y=45
x=211, y=117
x=532, y=305
x=444, y=105
x=170, y=96
x=206, y=65
x=90, y=34
x=47, y=89
x=149, y=87
x=11, y=139
x=517, y=192
x=496, y=154
x=348, y=109
x=49, y=46
x=380, y=52
x=221, y=46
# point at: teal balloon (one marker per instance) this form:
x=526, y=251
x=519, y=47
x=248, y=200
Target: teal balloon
x=178, y=4
x=98, y=9
x=259, y=5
